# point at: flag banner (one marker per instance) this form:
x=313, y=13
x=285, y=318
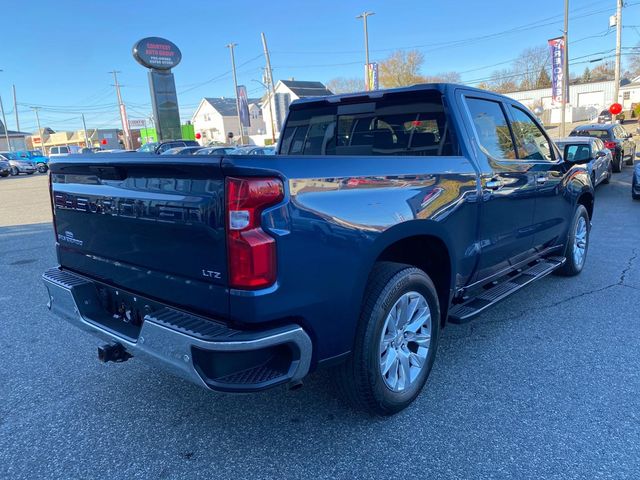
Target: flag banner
x=243, y=100
x=371, y=75
x=557, y=69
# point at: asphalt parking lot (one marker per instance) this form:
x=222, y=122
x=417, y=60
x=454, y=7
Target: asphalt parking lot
x=545, y=385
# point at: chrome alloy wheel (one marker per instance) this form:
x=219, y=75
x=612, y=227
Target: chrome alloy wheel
x=580, y=242
x=405, y=341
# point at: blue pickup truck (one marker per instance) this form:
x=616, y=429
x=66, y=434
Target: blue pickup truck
x=384, y=216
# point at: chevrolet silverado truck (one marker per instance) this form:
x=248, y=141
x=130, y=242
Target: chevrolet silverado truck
x=384, y=216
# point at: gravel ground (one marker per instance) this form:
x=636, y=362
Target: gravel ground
x=544, y=385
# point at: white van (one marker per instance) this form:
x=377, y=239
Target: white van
x=64, y=150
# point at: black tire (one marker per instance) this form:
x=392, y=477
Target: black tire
x=360, y=378
x=571, y=266
x=617, y=167
x=14, y=171
x=42, y=168
x=4, y=174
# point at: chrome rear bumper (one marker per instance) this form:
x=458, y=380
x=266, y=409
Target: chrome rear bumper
x=207, y=353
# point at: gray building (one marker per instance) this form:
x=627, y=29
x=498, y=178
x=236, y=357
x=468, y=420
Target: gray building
x=17, y=140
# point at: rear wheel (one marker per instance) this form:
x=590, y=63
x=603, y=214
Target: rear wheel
x=396, y=340
x=577, y=243
x=42, y=168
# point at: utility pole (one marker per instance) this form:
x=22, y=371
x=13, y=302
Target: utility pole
x=40, y=132
x=123, y=112
x=271, y=91
x=231, y=46
x=565, y=73
x=364, y=16
x=266, y=86
x=15, y=108
x=6, y=128
x=616, y=81
x=86, y=136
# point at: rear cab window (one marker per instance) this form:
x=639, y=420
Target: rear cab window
x=398, y=125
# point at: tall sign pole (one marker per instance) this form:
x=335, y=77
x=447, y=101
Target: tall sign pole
x=6, y=128
x=364, y=16
x=40, y=132
x=565, y=68
x=123, y=112
x=15, y=108
x=231, y=46
x=160, y=56
x=616, y=82
x=86, y=136
x=271, y=91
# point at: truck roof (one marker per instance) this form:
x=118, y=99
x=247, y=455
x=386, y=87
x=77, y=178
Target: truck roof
x=374, y=94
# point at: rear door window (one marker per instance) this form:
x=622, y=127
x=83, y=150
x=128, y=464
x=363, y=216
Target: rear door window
x=492, y=128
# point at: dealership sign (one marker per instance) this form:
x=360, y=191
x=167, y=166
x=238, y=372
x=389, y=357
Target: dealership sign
x=371, y=76
x=157, y=53
x=557, y=69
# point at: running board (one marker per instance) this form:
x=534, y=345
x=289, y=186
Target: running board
x=496, y=291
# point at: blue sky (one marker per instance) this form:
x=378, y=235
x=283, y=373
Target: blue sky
x=58, y=53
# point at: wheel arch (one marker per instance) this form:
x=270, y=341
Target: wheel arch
x=424, y=245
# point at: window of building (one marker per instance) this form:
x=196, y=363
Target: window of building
x=626, y=95
x=492, y=128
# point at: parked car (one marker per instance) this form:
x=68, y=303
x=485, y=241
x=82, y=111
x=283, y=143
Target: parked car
x=19, y=165
x=182, y=151
x=5, y=167
x=35, y=156
x=160, y=147
x=279, y=268
x=590, y=152
x=64, y=150
x=253, y=150
x=615, y=138
x=215, y=151
x=635, y=183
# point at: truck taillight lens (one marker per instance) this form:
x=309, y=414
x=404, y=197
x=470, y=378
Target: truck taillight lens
x=610, y=145
x=251, y=251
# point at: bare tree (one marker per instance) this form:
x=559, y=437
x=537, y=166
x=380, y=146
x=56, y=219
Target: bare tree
x=345, y=85
x=501, y=81
x=633, y=67
x=444, y=77
x=401, y=68
x=604, y=71
x=529, y=67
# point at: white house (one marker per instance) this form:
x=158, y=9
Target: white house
x=216, y=117
x=286, y=91
x=586, y=100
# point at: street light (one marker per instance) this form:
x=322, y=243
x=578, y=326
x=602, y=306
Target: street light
x=273, y=127
x=364, y=16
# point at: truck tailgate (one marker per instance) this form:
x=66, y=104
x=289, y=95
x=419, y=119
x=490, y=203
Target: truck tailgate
x=153, y=225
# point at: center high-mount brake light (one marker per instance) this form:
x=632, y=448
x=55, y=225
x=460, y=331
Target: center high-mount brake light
x=251, y=251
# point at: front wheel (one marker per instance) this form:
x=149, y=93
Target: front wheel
x=396, y=340
x=15, y=171
x=42, y=168
x=577, y=243
x=609, y=174
x=617, y=168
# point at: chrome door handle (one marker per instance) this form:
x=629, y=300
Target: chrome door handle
x=541, y=180
x=494, y=184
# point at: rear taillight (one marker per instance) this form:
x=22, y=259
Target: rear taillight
x=251, y=251
x=610, y=145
